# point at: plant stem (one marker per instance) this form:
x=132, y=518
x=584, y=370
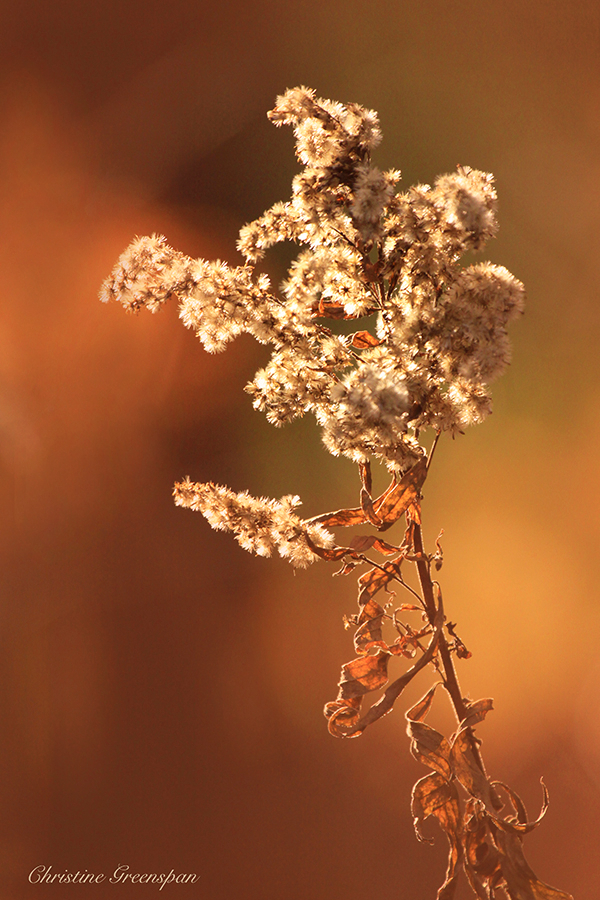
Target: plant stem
x=448, y=671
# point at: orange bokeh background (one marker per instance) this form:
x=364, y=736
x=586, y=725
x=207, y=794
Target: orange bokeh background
x=162, y=690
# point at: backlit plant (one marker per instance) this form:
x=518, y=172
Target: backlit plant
x=435, y=336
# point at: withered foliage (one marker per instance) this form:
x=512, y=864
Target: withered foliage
x=366, y=250
x=484, y=821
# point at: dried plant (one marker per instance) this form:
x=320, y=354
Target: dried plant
x=436, y=338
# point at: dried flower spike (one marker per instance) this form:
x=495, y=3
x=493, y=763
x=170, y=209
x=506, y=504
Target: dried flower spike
x=434, y=336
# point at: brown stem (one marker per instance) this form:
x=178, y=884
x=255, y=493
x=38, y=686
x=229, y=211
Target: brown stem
x=448, y=671
x=450, y=678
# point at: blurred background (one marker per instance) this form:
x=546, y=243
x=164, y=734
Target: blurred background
x=161, y=689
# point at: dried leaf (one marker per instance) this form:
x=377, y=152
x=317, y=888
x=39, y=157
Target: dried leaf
x=419, y=711
x=413, y=514
x=476, y=712
x=435, y=796
x=331, y=554
x=448, y=889
x=369, y=625
x=359, y=677
x=341, y=517
x=467, y=770
x=392, y=486
x=366, y=504
x=387, y=549
x=329, y=309
x=459, y=648
x=521, y=881
x=430, y=795
x=385, y=703
x=396, y=501
x=364, y=469
x=341, y=715
x=493, y=856
x=405, y=645
x=521, y=825
x=362, y=340
x=363, y=674
x=428, y=745
x=332, y=309
x=374, y=580
x=347, y=568
x=430, y=748
x=371, y=271
x=366, y=501
x=362, y=542
x=389, y=506
x=438, y=559
x=517, y=803
x=481, y=859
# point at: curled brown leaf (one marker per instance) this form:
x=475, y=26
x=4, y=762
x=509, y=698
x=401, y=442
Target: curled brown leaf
x=481, y=858
x=435, y=796
x=430, y=747
x=430, y=796
x=375, y=579
x=386, y=702
x=362, y=340
x=369, y=625
x=341, y=517
x=341, y=715
x=364, y=674
x=366, y=504
x=418, y=712
x=363, y=542
x=521, y=881
x=467, y=769
x=398, y=499
x=493, y=854
x=476, y=712
x=331, y=554
x=518, y=823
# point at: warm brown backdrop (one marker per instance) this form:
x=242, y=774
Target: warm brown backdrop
x=161, y=690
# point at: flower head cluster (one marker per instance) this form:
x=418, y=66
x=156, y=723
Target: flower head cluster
x=147, y=273
x=436, y=331
x=369, y=408
x=260, y=525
